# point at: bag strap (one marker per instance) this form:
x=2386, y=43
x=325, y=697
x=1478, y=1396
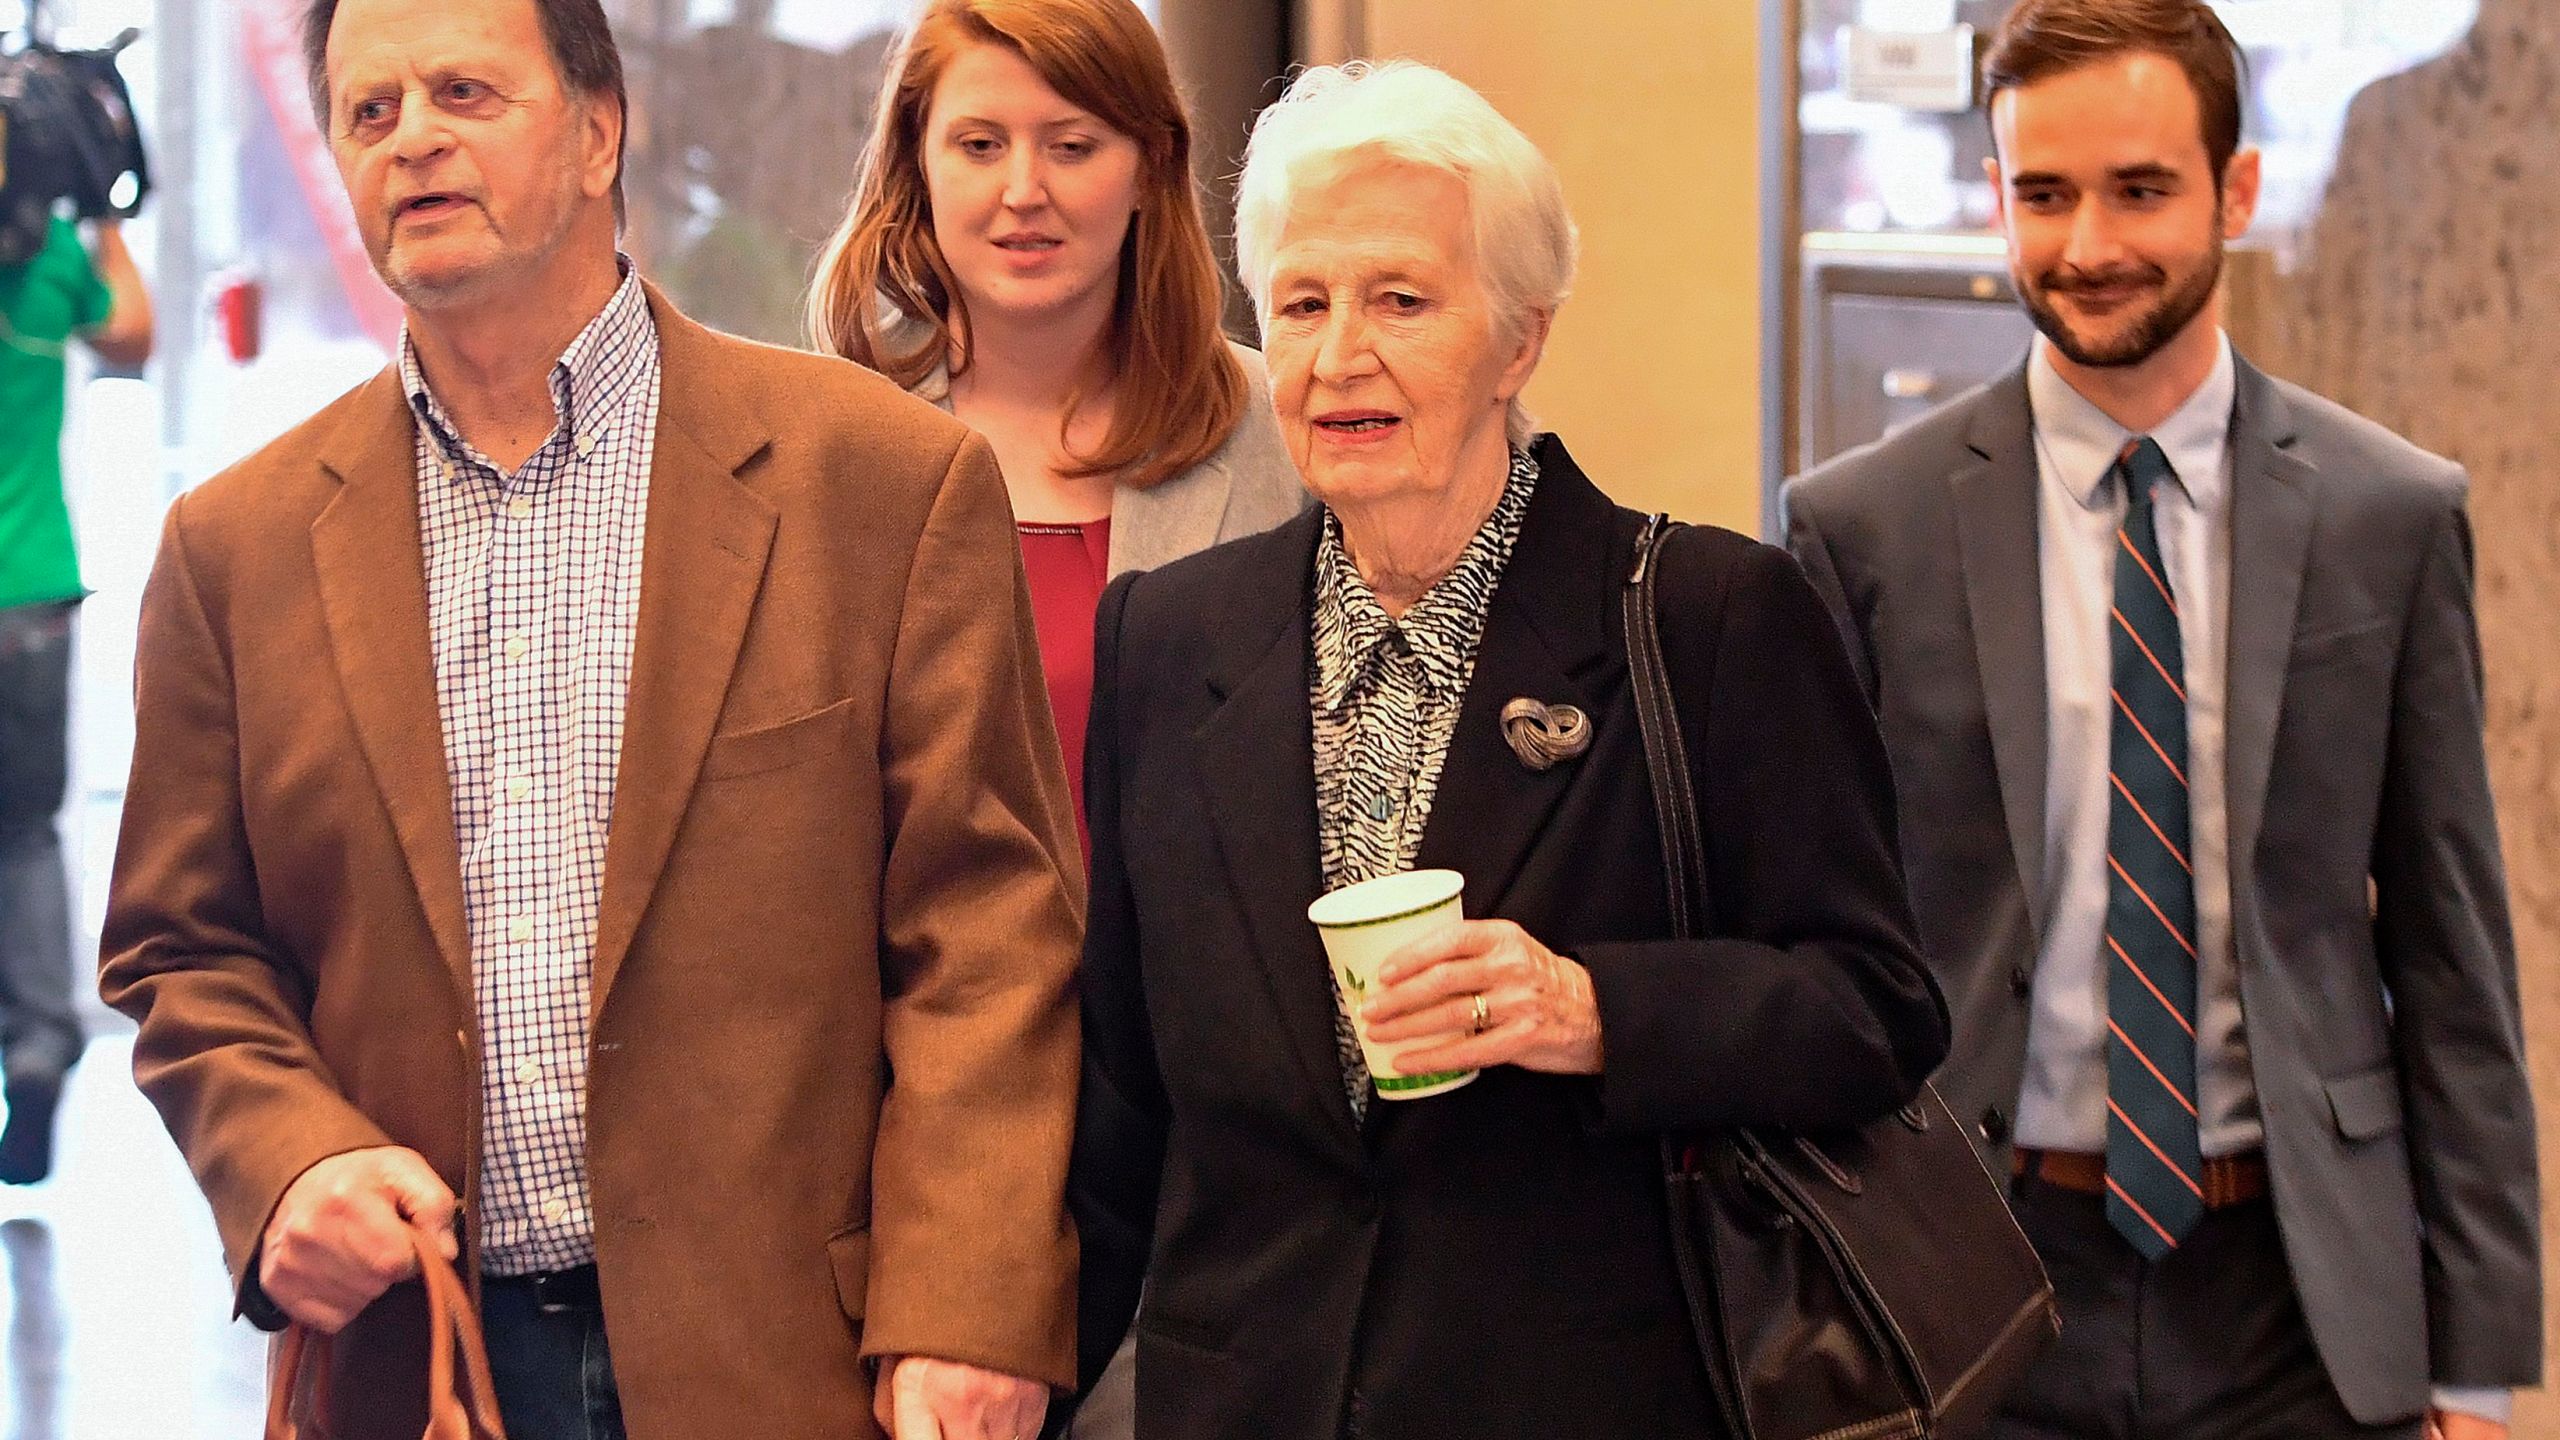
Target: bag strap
x=1684, y=869
x=453, y=1326
x=1666, y=755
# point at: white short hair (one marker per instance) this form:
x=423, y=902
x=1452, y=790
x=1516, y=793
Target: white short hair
x=1408, y=111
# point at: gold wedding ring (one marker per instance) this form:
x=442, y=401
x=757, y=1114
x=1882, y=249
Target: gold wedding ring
x=1483, y=1015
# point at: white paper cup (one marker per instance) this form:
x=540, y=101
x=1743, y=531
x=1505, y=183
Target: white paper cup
x=1362, y=925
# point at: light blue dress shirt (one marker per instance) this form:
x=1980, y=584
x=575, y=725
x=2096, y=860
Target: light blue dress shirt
x=2062, y=1104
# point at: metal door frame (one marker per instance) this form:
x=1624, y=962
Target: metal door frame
x=1781, y=231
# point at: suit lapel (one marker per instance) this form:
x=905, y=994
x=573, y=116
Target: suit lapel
x=1257, y=768
x=1179, y=517
x=1544, y=637
x=373, y=597
x=1995, y=508
x=2271, y=523
x=702, y=563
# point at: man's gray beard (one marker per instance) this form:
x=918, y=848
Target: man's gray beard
x=436, y=295
x=475, y=281
x=2151, y=333
x=480, y=281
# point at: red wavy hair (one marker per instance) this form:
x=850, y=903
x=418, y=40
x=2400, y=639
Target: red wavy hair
x=1178, y=390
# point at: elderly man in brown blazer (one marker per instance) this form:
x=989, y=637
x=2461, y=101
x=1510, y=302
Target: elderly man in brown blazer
x=594, y=804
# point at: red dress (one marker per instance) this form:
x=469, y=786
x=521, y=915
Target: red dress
x=1068, y=565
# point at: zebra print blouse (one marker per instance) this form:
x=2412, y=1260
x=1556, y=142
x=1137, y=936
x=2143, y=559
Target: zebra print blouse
x=1386, y=694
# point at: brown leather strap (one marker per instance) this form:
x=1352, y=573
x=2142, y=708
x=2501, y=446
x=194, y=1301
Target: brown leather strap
x=2228, y=1179
x=452, y=1325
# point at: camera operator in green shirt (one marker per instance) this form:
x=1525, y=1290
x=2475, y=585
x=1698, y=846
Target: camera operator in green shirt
x=94, y=294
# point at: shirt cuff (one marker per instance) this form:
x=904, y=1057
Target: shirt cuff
x=2485, y=1402
x=255, y=1307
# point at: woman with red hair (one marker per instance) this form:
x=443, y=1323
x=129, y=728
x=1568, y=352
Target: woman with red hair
x=1026, y=250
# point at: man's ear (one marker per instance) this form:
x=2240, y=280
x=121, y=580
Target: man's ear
x=2241, y=183
x=602, y=159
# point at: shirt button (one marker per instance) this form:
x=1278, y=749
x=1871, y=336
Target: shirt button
x=520, y=928
x=586, y=444
x=528, y=1071
x=555, y=1209
x=518, y=647
x=2020, y=982
x=519, y=787
x=519, y=508
x=1380, y=807
x=1994, y=1126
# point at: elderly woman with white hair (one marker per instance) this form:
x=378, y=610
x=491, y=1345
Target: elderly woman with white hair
x=1320, y=1253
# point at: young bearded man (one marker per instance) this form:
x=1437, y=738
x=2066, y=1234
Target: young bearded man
x=2177, y=667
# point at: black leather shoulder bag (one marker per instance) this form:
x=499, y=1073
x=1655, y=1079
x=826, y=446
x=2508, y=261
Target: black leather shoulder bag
x=1862, y=1284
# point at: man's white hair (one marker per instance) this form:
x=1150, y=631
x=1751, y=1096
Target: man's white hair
x=1408, y=111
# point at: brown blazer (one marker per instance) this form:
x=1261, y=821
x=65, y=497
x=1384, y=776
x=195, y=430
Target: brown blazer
x=833, y=1061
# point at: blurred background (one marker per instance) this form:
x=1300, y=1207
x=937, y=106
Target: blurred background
x=1784, y=219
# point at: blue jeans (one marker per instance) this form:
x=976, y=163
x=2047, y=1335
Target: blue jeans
x=552, y=1368
x=39, y=1031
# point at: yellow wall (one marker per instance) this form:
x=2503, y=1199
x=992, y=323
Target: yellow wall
x=1650, y=111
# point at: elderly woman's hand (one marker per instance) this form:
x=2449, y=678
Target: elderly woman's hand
x=1537, y=1010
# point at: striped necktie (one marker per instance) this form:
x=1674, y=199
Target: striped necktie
x=2155, y=1169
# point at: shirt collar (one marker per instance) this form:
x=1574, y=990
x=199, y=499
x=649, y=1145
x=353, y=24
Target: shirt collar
x=1442, y=628
x=591, y=379
x=2081, y=442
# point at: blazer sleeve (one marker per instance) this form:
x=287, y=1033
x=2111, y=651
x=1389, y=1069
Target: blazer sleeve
x=972, y=1257
x=1121, y=1115
x=2447, y=954
x=1812, y=549
x=224, y=1049
x=1811, y=1005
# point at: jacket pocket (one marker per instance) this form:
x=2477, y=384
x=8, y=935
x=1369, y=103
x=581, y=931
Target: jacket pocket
x=849, y=1256
x=780, y=745
x=2333, y=642
x=2366, y=1105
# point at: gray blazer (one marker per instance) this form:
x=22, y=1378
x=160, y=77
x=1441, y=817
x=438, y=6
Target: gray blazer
x=2382, y=1023
x=1246, y=486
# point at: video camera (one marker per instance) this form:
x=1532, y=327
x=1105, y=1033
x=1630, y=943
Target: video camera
x=66, y=133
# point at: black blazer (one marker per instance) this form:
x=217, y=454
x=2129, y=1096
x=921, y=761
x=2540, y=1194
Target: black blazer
x=1495, y=1261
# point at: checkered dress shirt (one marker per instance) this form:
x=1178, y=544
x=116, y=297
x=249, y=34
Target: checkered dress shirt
x=533, y=594
x=1386, y=692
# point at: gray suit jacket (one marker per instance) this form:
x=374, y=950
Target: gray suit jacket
x=1246, y=486
x=2377, y=970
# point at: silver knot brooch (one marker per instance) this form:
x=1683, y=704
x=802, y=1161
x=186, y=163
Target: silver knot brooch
x=1544, y=735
